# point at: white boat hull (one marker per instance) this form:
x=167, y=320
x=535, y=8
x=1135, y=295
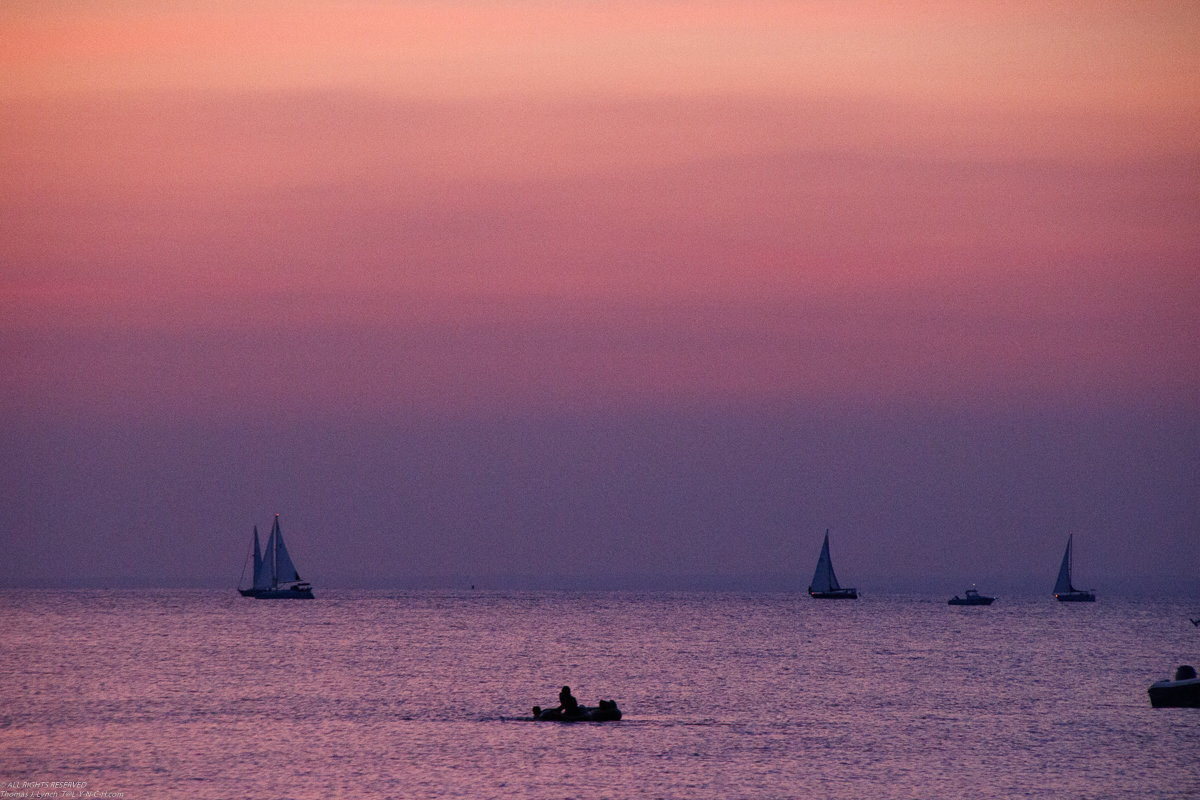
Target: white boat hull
x=1175, y=694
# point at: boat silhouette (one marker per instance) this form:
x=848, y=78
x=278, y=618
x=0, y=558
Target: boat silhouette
x=275, y=576
x=1064, y=591
x=825, y=584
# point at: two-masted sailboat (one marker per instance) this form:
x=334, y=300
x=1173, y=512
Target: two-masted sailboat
x=1063, y=590
x=275, y=576
x=824, y=583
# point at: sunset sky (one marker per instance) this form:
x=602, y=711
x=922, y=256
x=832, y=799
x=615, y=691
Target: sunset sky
x=951, y=251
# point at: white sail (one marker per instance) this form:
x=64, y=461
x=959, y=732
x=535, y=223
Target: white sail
x=269, y=560
x=275, y=576
x=285, y=570
x=1063, y=584
x=262, y=569
x=823, y=579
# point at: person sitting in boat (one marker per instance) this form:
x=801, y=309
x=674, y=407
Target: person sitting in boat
x=567, y=702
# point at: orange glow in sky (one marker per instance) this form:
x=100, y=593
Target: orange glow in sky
x=1016, y=53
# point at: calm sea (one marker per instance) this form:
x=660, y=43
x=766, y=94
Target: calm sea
x=200, y=694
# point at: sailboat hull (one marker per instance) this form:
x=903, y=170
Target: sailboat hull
x=837, y=594
x=1075, y=597
x=292, y=593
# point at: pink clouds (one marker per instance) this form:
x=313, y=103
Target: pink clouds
x=451, y=206
x=746, y=280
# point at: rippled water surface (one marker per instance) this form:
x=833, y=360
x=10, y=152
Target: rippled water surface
x=357, y=694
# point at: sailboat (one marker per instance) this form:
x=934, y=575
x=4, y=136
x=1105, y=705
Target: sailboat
x=825, y=583
x=1063, y=590
x=275, y=575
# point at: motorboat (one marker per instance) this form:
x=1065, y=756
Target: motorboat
x=972, y=598
x=1183, y=692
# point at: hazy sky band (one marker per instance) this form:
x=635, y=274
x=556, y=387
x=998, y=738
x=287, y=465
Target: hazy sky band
x=511, y=288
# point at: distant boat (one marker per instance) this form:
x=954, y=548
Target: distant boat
x=275, y=576
x=1063, y=590
x=973, y=598
x=1183, y=692
x=825, y=583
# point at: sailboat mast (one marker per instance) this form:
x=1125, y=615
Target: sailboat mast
x=275, y=555
x=248, y=555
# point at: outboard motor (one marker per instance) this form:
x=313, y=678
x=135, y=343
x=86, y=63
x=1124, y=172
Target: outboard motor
x=1185, y=673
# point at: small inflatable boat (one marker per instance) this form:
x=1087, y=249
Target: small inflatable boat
x=607, y=711
x=1183, y=692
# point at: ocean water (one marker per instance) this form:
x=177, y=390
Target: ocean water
x=202, y=694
